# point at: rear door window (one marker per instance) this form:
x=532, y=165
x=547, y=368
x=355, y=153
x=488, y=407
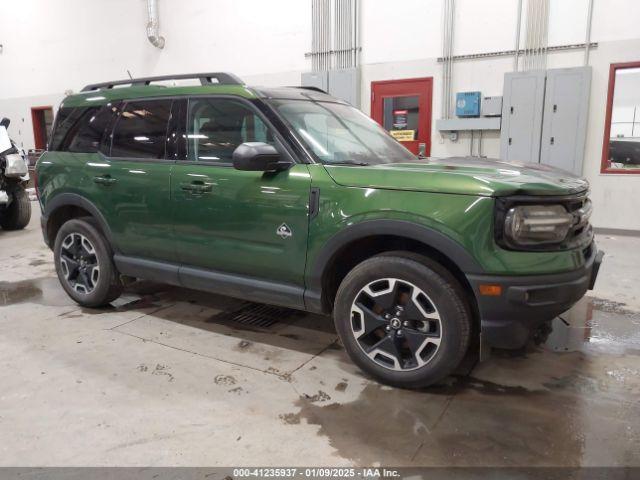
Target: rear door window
x=141, y=130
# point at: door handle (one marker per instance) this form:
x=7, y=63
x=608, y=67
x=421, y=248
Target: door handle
x=196, y=187
x=104, y=180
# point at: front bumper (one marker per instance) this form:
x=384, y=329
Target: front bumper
x=508, y=320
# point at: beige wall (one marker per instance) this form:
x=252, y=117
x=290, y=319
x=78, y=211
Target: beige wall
x=264, y=43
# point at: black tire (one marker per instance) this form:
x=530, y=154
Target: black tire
x=17, y=215
x=107, y=286
x=436, y=292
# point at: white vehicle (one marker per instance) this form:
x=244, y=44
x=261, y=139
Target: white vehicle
x=15, y=208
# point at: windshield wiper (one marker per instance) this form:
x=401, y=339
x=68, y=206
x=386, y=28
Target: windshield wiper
x=349, y=162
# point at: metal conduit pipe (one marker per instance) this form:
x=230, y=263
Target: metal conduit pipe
x=445, y=58
x=547, y=10
x=153, y=25
x=356, y=32
x=517, y=42
x=534, y=31
x=448, y=51
x=337, y=31
x=334, y=31
x=314, y=36
x=587, y=40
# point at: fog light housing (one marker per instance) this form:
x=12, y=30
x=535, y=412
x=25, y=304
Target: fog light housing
x=537, y=224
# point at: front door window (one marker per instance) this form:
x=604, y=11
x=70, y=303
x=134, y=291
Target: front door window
x=217, y=126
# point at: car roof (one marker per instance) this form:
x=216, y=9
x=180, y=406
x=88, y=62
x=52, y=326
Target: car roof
x=102, y=96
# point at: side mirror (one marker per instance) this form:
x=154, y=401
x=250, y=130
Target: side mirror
x=5, y=122
x=259, y=157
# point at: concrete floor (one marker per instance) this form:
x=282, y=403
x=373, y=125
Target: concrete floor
x=159, y=380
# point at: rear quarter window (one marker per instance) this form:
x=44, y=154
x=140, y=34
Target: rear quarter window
x=81, y=129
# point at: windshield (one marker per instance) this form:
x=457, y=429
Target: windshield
x=341, y=134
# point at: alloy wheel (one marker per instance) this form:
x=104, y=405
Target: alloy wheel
x=79, y=263
x=396, y=324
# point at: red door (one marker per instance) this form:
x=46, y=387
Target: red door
x=42, y=119
x=403, y=108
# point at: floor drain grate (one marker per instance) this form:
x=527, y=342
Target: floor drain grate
x=255, y=315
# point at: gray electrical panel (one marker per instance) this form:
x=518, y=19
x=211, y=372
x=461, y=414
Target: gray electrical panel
x=522, y=110
x=491, y=107
x=316, y=79
x=343, y=84
x=564, y=124
x=544, y=117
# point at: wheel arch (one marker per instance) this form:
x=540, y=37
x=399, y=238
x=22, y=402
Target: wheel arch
x=66, y=206
x=358, y=242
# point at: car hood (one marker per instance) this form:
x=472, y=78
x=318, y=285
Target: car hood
x=470, y=176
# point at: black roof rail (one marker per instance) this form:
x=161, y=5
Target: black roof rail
x=314, y=89
x=221, y=78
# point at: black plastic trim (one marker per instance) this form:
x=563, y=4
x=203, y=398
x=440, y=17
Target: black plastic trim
x=73, y=199
x=247, y=288
x=238, y=286
x=527, y=301
x=147, y=269
x=371, y=228
x=314, y=202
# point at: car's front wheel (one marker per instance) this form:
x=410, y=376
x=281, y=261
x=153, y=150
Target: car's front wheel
x=84, y=264
x=404, y=320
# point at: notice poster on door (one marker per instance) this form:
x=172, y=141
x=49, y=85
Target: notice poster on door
x=400, y=123
x=400, y=119
x=403, y=135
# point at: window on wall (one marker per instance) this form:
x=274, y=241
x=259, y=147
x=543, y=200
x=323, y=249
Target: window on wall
x=621, y=146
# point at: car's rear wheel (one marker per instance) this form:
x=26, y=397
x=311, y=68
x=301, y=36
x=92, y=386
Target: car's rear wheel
x=84, y=264
x=405, y=321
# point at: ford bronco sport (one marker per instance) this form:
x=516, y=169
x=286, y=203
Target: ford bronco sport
x=290, y=197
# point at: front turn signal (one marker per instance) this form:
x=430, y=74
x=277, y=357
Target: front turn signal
x=490, y=290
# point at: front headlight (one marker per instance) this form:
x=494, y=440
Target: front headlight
x=537, y=224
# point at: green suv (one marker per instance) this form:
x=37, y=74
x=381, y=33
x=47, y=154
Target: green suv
x=290, y=197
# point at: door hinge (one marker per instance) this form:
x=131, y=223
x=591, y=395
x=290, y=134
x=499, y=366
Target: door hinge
x=314, y=202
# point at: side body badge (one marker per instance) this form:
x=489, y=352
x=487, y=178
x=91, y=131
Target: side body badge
x=283, y=231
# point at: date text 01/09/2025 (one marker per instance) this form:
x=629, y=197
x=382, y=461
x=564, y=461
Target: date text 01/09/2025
x=315, y=472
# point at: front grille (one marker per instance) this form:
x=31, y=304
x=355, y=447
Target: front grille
x=581, y=209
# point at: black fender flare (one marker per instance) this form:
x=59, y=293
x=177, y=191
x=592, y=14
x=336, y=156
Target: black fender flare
x=74, y=200
x=448, y=247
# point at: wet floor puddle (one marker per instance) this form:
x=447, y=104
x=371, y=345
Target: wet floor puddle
x=571, y=401
x=20, y=291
